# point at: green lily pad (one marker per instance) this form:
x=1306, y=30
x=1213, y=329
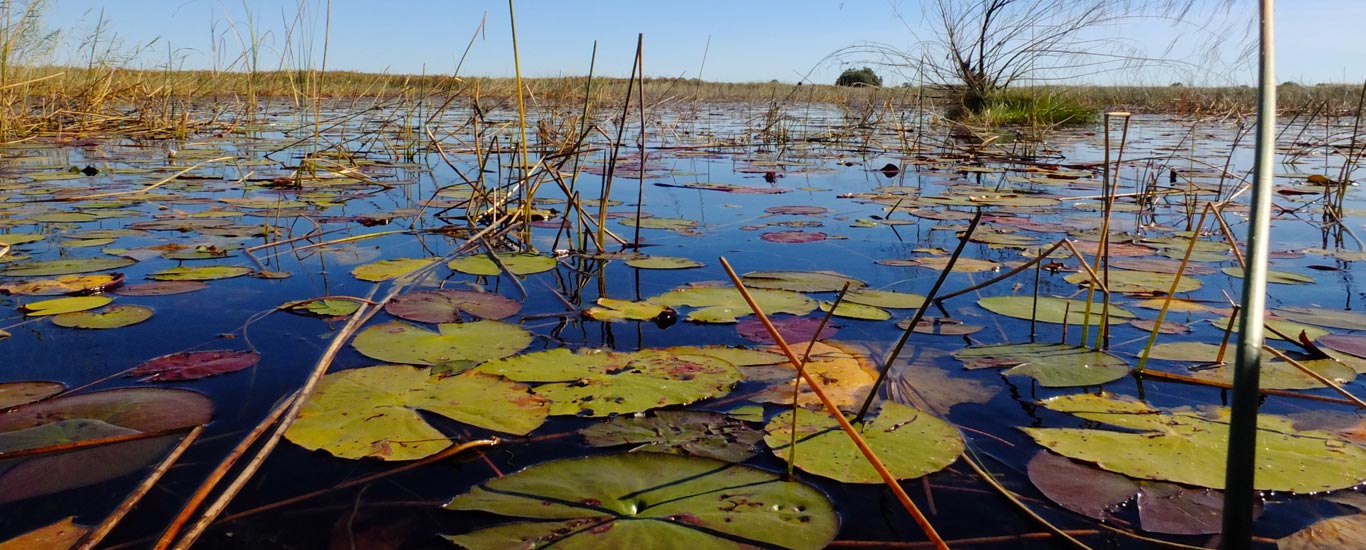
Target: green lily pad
x=801, y=281
x=1273, y=276
x=518, y=264
x=1327, y=534
x=1144, y=282
x=601, y=383
x=1289, y=328
x=205, y=273
x=610, y=309
x=671, y=224
x=322, y=307
x=58, y=306
x=446, y=306
x=662, y=262
x=20, y=238
x=399, y=342
x=385, y=270
x=1324, y=317
x=18, y=393
x=1298, y=461
x=857, y=311
x=1052, y=309
x=1279, y=375
x=696, y=433
x=648, y=500
x=110, y=317
x=885, y=298
x=1052, y=365
x=938, y=263
x=372, y=412
x=66, y=266
x=910, y=442
x=740, y=357
x=725, y=304
x=62, y=535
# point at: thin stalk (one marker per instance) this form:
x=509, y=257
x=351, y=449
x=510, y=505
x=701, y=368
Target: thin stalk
x=1171, y=292
x=95, y=537
x=797, y=382
x=521, y=123
x=1241, y=464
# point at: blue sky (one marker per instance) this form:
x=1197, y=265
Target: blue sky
x=743, y=40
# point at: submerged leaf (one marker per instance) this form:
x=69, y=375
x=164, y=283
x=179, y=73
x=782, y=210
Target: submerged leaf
x=373, y=411
x=662, y=262
x=399, y=342
x=1053, y=365
x=194, y=365
x=446, y=306
x=801, y=281
x=648, y=500
x=65, y=266
x=707, y=434
x=205, y=273
x=726, y=305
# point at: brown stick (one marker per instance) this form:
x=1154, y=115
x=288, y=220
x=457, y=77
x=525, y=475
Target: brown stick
x=94, y=537
x=834, y=411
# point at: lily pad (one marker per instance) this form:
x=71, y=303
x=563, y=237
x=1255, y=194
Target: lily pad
x=1279, y=375
x=66, y=266
x=857, y=311
x=1327, y=534
x=400, y=342
x=62, y=535
x=160, y=288
x=372, y=412
x=801, y=281
x=794, y=237
x=793, y=330
x=662, y=262
x=938, y=263
x=194, y=365
x=910, y=442
x=673, y=502
x=66, y=284
x=726, y=305
x=602, y=383
x=1274, y=276
x=1088, y=491
x=1052, y=309
x=609, y=309
x=1298, y=461
x=885, y=298
x=518, y=264
x=58, y=306
x=111, y=317
x=18, y=393
x=1052, y=365
x=205, y=273
x=707, y=434
x=446, y=306
x=1138, y=282
x=385, y=270
x=845, y=371
x=322, y=307
x=1290, y=329
x=1324, y=317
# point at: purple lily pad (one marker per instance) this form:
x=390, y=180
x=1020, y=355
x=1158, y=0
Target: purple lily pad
x=445, y=306
x=195, y=365
x=793, y=236
x=793, y=329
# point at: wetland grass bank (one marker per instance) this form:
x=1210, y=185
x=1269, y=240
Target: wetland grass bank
x=341, y=310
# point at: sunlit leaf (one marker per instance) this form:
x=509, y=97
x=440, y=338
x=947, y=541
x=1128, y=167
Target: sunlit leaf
x=801, y=281
x=160, y=288
x=399, y=342
x=662, y=262
x=62, y=535
x=58, y=306
x=385, y=270
x=706, y=434
x=648, y=500
x=65, y=284
x=117, y=316
x=204, y=273
x=726, y=305
x=1125, y=281
x=845, y=371
x=1327, y=534
x=374, y=411
x=910, y=442
x=857, y=311
x=602, y=383
x=1274, y=276
x=517, y=264
x=610, y=309
x=1049, y=309
x=1052, y=365
x=66, y=266
x=884, y=298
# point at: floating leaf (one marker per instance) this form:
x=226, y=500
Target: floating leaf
x=1176, y=510
x=648, y=500
x=793, y=330
x=601, y=383
x=20, y=238
x=1280, y=375
x=373, y=412
x=612, y=309
x=726, y=305
x=1125, y=281
x=66, y=284
x=938, y=263
x=445, y=306
x=910, y=442
x=518, y=264
x=672, y=224
x=385, y=270
x=845, y=371
x=160, y=288
x=939, y=326
x=111, y=317
x=738, y=356
x=1052, y=365
x=801, y=281
x=322, y=307
x=1274, y=325
x=1327, y=534
x=1088, y=491
x=66, y=266
x=18, y=393
x=58, y=306
x=62, y=535
x=793, y=237
x=884, y=298
x=399, y=342
x=857, y=311
x=933, y=389
x=205, y=273
x=1300, y=461
x=662, y=262
x=1273, y=276
x=706, y=434
x=1334, y=318
x=1052, y=310
x=194, y=365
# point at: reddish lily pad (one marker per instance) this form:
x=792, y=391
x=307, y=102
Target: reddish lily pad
x=446, y=306
x=18, y=393
x=794, y=237
x=66, y=284
x=793, y=330
x=195, y=365
x=160, y=288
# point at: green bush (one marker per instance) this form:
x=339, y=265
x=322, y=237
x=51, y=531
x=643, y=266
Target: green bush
x=1020, y=108
x=859, y=77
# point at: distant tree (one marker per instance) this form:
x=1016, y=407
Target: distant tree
x=1177, y=84
x=859, y=77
